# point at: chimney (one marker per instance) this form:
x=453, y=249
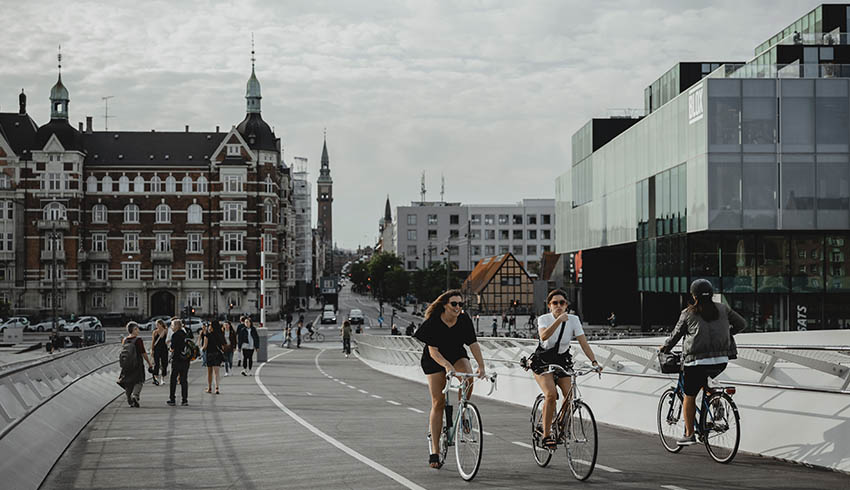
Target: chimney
x=80, y=126
x=22, y=101
x=216, y=129
x=88, y=124
x=187, y=128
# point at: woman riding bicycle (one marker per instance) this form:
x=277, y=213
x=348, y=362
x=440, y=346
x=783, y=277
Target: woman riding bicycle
x=548, y=328
x=707, y=328
x=445, y=331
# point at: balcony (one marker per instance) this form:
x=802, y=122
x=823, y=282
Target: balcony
x=95, y=285
x=161, y=284
x=162, y=256
x=49, y=224
x=7, y=256
x=47, y=255
x=48, y=283
x=101, y=256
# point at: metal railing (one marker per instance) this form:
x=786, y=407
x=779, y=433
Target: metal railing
x=25, y=388
x=820, y=368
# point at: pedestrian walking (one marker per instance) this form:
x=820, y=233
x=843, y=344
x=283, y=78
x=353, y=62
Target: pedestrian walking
x=410, y=329
x=228, y=347
x=249, y=340
x=612, y=320
x=159, y=347
x=288, y=319
x=298, y=332
x=212, y=346
x=201, y=339
x=495, y=329
x=345, y=331
x=132, y=376
x=239, y=328
x=287, y=337
x=179, y=363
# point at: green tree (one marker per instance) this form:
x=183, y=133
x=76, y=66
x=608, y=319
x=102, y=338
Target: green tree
x=379, y=266
x=396, y=284
x=359, y=275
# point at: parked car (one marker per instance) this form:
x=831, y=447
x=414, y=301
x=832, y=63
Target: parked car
x=47, y=325
x=83, y=323
x=151, y=323
x=328, y=317
x=194, y=323
x=15, y=322
x=355, y=316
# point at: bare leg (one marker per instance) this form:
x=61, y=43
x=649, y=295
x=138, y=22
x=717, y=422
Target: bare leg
x=209, y=378
x=550, y=393
x=436, y=383
x=462, y=365
x=217, y=377
x=690, y=409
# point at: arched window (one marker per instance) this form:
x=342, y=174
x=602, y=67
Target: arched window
x=54, y=212
x=156, y=184
x=91, y=184
x=203, y=185
x=268, y=211
x=269, y=184
x=131, y=213
x=107, y=183
x=139, y=184
x=98, y=213
x=195, y=214
x=187, y=185
x=163, y=213
x=170, y=185
x=123, y=184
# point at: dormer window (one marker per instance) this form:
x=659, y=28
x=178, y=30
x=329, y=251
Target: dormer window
x=233, y=150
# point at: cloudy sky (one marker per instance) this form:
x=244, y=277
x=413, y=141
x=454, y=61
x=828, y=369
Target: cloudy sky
x=486, y=92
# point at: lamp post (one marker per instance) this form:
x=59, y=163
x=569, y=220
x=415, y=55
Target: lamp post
x=53, y=238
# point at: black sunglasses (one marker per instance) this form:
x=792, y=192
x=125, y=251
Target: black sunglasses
x=558, y=302
x=456, y=303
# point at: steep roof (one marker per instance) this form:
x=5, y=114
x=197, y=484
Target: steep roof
x=257, y=132
x=547, y=267
x=68, y=136
x=19, y=130
x=153, y=148
x=388, y=213
x=481, y=275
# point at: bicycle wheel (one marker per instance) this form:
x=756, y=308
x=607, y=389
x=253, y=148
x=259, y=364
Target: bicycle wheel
x=581, y=441
x=721, y=427
x=469, y=440
x=671, y=424
x=541, y=455
x=320, y=337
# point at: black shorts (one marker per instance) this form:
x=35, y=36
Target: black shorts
x=565, y=360
x=430, y=366
x=696, y=377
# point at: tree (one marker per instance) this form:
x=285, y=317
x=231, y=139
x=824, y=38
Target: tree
x=396, y=284
x=381, y=264
x=359, y=276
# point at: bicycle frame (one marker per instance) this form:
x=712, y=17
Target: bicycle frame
x=463, y=387
x=703, y=406
x=561, y=428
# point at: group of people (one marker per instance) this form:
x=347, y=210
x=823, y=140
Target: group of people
x=707, y=328
x=217, y=343
x=287, y=332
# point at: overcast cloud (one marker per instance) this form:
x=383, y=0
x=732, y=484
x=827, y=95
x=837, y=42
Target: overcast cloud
x=485, y=92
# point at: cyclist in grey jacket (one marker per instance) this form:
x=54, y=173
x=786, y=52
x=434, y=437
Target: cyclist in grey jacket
x=707, y=328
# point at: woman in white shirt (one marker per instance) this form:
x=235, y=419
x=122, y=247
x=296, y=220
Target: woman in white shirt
x=548, y=328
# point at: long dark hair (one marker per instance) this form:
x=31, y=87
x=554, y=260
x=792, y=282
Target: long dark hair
x=439, y=305
x=705, y=308
x=217, y=332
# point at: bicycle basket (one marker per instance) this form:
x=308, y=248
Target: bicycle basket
x=670, y=363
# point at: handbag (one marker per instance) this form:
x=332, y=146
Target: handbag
x=671, y=363
x=543, y=356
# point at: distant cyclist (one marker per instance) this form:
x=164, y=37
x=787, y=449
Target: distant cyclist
x=707, y=328
x=345, y=331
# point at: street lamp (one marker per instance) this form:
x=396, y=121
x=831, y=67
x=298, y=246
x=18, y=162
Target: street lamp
x=54, y=236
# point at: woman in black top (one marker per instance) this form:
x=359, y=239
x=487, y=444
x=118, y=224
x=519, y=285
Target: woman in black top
x=213, y=342
x=445, y=331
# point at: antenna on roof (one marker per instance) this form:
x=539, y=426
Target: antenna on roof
x=252, y=52
x=442, y=187
x=106, y=115
x=422, y=187
x=59, y=60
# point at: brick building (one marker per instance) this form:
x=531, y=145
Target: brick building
x=143, y=223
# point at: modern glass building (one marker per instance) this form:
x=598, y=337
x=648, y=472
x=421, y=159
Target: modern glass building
x=742, y=178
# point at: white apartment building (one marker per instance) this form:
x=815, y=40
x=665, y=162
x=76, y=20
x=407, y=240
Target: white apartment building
x=302, y=202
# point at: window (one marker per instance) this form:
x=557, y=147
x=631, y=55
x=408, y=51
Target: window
x=233, y=270
x=531, y=250
x=454, y=219
x=139, y=184
x=170, y=185
x=187, y=185
x=268, y=272
x=131, y=213
x=503, y=219
x=489, y=219
x=503, y=249
x=106, y=184
x=163, y=213
x=432, y=234
x=130, y=271
x=517, y=250
x=233, y=242
x=268, y=211
x=98, y=300
x=195, y=214
x=503, y=234
x=489, y=234
x=59, y=243
x=91, y=184
x=475, y=219
x=54, y=212
x=98, y=272
x=269, y=185
x=454, y=234
x=60, y=273
x=98, y=242
x=156, y=184
x=193, y=243
x=5, y=181
x=268, y=242
x=233, y=183
x=5, y=275
x=54, y=181
x=411, y=219
x=7, y=211
x=489, y=250
x=233, y=212
x=475, y=234
x=233, y=150
x=162, y=272
x=46, y=300
x=517, y=219
x=123, y=184
x=476, y=250
x=234, y=301
x=547, y=234
x=547, y=219
x=203, y=184
x=163, y=242
x=531, y=219
x=195, y=299
x=7, y=242
x=517, y=235
x=532, y=234
x=411, y=234
x=411, y=250
x=547, y=248
x=131, y=242
x=131, y=300
x=432, y=219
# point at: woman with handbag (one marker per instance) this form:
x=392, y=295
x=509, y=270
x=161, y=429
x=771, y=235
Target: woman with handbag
x=213, y=343
x=557, y=329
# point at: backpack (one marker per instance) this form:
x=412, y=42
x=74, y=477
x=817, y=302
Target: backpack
x=128, y=359
x=191, y=350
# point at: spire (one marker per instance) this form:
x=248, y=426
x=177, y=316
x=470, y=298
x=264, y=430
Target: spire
x=59, y=97
x=388, y=214
x=252, y=92
x=325, y=170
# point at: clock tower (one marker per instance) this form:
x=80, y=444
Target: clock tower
x=325, y=200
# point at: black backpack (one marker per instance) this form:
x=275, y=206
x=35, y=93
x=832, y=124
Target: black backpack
x=128, y=359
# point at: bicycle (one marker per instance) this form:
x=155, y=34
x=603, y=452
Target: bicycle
x=718, y=422
x=314, y=335
x=577, y=432
x=469, y=441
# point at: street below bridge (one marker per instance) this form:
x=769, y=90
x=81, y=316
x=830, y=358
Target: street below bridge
x=311, y=418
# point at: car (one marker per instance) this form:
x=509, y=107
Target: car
x=151, y=323
x=328, y=317
x=83, y=323
x=47, y=325
x=194, y=323
x=355, y=316
x=330, y=308
x=15, y=322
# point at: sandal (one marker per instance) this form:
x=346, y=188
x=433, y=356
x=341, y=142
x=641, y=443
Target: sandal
x=549, y=442
x=434, y=461
x=207, y=390
x=217, y=392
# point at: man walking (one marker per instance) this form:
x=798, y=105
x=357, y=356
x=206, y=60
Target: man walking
x=179, y=363
x=132, y=376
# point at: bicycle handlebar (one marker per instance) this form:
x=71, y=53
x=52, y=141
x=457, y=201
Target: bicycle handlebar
x=576, y=371
x=454, y=374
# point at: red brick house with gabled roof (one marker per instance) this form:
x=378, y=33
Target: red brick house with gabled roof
x=497, y=284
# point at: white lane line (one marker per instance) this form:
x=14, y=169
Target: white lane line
x=364, y=392
x=377, y=396
x=602, y=467
x=415, y=410
x=352, y=387
x=394, y=403
x=308, y=393
x=521, y=444
x=670, y=487
x=342, y=447
x=487, y=433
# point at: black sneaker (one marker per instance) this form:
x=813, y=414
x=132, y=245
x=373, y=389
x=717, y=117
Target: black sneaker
x=184, y=403
x=687, y=440
x=135, y=403
x=170, y=403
